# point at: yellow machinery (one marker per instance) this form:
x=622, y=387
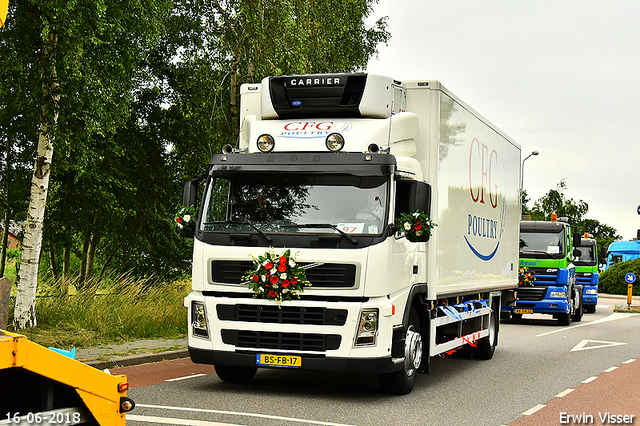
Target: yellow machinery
x=41, y=386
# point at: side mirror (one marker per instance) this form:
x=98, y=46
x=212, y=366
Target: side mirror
x=576, y=253
x=577, y=239
x=190, y=193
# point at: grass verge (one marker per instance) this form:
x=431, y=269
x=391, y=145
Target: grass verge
x=120, y=310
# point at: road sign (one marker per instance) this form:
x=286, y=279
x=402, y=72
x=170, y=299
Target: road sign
x=630, y=277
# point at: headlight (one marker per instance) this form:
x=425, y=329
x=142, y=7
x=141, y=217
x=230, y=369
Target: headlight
x=334, y=142
x=266, y=143
x=199, y=319
x=592, y=291
x=367, y=328
x=562, y=294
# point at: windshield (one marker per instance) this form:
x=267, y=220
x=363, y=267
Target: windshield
x=292, y=203
x=586, y=256
x=549, y=243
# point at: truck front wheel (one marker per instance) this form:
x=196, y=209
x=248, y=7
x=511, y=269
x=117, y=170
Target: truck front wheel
x=401, y=382
x=565, y=319
x=233, y=374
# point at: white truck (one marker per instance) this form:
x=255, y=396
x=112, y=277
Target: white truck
x=315, y=152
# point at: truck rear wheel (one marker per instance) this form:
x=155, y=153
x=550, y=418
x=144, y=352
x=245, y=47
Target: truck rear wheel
x=487, y=346
x=401, y=382
x=233, y=374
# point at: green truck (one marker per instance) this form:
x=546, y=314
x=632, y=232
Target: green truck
x=547, y=251
x=587, y=273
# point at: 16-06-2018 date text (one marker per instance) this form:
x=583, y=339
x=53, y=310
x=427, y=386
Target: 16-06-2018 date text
x=49, y=418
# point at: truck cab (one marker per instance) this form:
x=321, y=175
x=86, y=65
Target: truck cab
x=587, y=272
x=547, y=253
x=621, y=251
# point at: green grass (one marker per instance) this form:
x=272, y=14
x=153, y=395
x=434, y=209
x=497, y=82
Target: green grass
x=122, y=309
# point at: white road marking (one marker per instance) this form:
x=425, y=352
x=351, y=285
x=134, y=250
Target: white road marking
x=590, y=379
x=609, y=370
x=530, y=411
x=184, y=377
x=582, y=346
x=234, y=413
x=614, y=316
x=172, y=421
x=564, y=393
x=629, y=361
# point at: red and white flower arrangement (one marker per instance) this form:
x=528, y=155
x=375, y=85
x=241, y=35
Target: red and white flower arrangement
x=416, y=226
x=276, y=277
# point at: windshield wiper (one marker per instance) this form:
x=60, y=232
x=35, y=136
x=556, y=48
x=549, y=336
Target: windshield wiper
x=328, y=225
x=258, y=230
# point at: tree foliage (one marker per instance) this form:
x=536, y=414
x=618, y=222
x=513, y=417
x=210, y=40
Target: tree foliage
x=555, y=201
x=133, y=99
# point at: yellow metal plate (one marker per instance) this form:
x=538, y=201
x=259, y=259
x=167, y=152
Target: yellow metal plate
x=524, y=311
x=289, y=361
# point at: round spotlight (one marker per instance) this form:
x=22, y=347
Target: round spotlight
x=373, y=148
x=266, y=143
x=334, y=142
x=227, y=149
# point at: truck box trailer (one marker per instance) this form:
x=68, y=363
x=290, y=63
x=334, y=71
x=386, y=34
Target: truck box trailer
x=399, y=201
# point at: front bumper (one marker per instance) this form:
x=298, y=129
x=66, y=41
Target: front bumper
x=337, y=364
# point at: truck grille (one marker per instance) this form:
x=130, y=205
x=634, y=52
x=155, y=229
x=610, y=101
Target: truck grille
x=285, y=341
x=531, y=293
x=282, y=315
x=334, y=275
x=544, y=276
x=583, y=277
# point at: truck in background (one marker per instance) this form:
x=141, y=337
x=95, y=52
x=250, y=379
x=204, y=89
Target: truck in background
x=621, y=251
x=314, y=152
x=587, y=272
x=547, y=251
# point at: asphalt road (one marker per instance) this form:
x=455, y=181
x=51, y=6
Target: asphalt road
x=535, y=376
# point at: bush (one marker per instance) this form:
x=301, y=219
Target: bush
x=612, y=280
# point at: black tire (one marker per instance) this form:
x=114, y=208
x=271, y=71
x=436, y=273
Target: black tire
x=516, y=316
x=401, y=382
x=590, y=309
x=487, y=346
x=577, y=316
x=233, y=374
x=565, y=319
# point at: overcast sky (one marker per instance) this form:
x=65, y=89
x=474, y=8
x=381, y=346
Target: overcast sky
x=561, y=77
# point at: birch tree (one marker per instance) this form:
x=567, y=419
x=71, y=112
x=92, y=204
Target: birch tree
x=87, y=57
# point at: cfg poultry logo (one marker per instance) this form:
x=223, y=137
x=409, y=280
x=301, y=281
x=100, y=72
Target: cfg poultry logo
x=486, y=176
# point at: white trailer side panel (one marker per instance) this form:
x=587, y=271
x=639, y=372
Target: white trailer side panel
x=474, y=170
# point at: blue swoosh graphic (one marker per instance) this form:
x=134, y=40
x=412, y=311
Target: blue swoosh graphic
x=480, y=255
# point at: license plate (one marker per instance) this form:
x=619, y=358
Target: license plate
x=288, y=361
x=524, y=311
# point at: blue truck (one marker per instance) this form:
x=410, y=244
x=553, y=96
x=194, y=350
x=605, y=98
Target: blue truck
x=547, y=252
x=621, y=251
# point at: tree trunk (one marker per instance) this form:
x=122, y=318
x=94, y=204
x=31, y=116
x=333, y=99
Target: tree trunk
x=91, y=254
x=53, y=262
x=82, y=279
x=5, y=225
x=24, y=314
x=5, y=242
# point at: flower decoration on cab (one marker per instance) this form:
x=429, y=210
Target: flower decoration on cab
x=276, y=277
x=416, y=226
x=525, y=278
x=185, y=218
